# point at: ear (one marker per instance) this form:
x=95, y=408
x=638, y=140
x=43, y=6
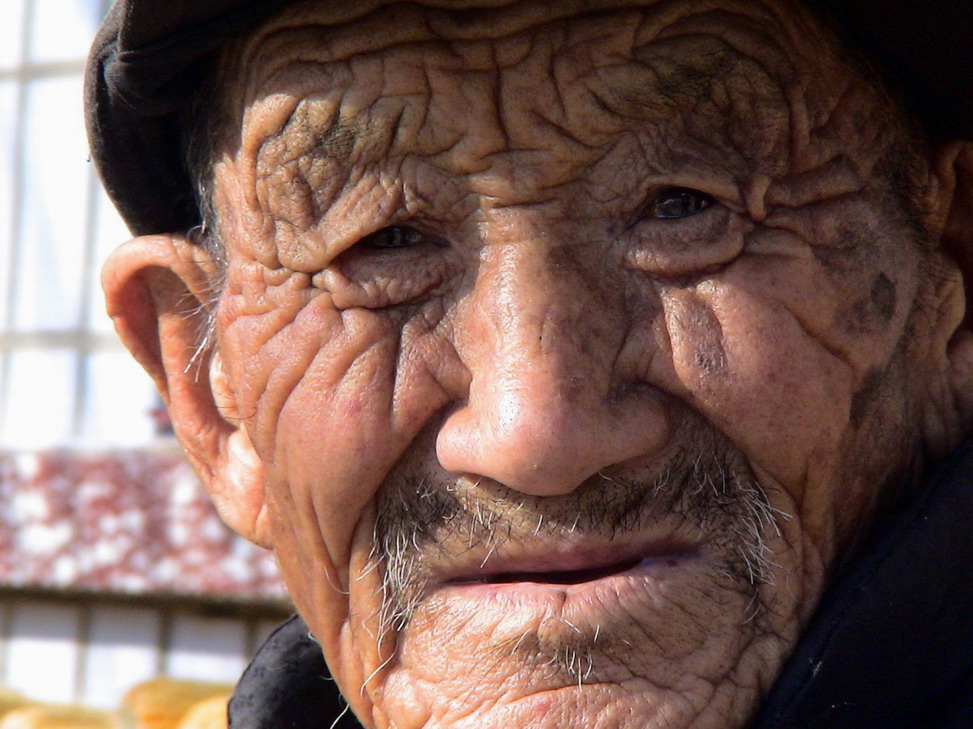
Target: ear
x=955, y=173
x=158, y=291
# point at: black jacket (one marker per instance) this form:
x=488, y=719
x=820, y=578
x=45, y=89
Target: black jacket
x=890, y=646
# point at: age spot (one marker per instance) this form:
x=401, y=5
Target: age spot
x=883, y=297
x=873, y=310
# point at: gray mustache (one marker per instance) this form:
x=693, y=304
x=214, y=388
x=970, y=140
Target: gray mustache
x=423, y=519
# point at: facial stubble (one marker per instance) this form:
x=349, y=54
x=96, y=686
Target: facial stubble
x=703, y=489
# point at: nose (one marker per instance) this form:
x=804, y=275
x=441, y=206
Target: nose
x=541, y=336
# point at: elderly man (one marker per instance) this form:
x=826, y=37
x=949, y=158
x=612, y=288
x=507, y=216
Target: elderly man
x=567, y=354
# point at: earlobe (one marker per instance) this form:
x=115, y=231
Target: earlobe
x=157, y=290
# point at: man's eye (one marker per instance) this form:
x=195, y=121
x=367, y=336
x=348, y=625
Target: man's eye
x=678, y=202
x=395, y=236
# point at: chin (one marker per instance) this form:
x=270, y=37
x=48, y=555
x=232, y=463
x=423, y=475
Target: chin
x=660, y=644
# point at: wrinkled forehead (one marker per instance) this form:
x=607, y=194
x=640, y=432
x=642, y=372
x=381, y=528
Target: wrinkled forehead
x=654, y=58
x=443, y=110
x=489, y=33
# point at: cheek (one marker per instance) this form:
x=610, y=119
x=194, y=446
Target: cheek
x=336, y=398
x=754, y=373
x=767, y=354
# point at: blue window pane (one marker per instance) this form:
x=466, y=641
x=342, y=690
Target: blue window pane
x=56, y=184
x=11, y=32
x=62, y=29
x=39, y=409
x=8, y=108
x=119, y=402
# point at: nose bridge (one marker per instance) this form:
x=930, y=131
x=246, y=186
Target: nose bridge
x=540, y=335
x=543, y=342
x=534, y=300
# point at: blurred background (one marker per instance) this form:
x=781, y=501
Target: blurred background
x=113, y=568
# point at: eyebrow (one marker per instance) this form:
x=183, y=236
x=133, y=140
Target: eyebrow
x=673, y=85
x=337, y=141
x=304, y=137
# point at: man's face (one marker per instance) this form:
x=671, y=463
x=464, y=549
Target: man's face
x=576, y=342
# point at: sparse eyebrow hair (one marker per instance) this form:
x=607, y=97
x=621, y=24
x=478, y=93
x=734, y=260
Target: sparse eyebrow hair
x=338, y=140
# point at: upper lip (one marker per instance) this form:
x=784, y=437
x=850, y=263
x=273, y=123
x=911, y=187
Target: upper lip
x=561, y=563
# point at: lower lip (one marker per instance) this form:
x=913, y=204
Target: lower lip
x=646, y=594
x=646, y=574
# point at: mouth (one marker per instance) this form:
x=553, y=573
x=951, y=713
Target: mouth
x=564, y=589
x=564, y=577
x=573, y=569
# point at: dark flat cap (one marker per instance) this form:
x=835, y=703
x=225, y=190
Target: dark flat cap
x=150, y=56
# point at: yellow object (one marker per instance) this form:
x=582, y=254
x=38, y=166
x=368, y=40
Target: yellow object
x=10, y=700
x=44, y=716
x=207, y=714
x=163, y=702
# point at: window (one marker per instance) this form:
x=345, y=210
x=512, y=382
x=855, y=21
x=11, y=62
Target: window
x=64, y=377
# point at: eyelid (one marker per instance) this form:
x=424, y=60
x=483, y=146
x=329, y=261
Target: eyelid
x=725, y=190
x=407, y=231
x=686, y=247
x=660, y=194
x=379, y=277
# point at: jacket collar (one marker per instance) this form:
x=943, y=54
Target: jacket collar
x=891, y=644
